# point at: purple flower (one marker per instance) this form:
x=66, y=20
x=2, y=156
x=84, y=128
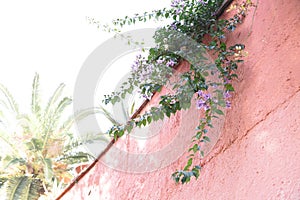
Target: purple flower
x=202, y=104
x=135, y=66
x=171, y=63
x=226, y=81
x=203, y=2
x=146, y=71
x=175, y=3
x=200, y=93
x=206, y=107
x=204, y=96
x=178, y=11
x=173, y=26
x=227, y=95
x=228, y=104
x=136, y=63
x=139, y=56
x=159, y=61
x=144, y=96
x=150, y=68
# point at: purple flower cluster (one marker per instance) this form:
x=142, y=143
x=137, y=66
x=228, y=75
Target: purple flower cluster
x=203, y=2
x=146, y=71
x=228, y=104
x=178, y=5
x=142, y=68
x=202, y=104
x=136, y=63
x=160, y=61
x=171, y=63
x=227, y=95
x=173, y=26
x=203, y=101
x=144, y=96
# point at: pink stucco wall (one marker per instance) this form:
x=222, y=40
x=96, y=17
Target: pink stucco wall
x=258, y=153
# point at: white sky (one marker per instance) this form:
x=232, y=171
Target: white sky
x=53, y=38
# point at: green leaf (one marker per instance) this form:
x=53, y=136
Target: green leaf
x=161, y=115
x=199, y=134
x=220, y=112
x=149, y=119
x=120, y=133
x=195, y=148
x=189, y=163
x=155, y=117
x=144, y=122
x=195, y=172
x=223, y=46
x=229, y=87
x=129, y=128
x=202, y=153
x=205, y=138
x=168, y=113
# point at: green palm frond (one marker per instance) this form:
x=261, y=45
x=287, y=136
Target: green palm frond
x=13, y=161
x=52, y=114
x=4, y=137
x=10, y=100
x=48, y=171
x=45, y=139
x=52, y=121
x=3, y=119
x=34, y=144
x=79, y=116
x=35, y=98
x=22, y=188
x=108, y=115
x=59, y=110
x=53, y=99
x=73, y=157
x=4, y=104
x=29, y=124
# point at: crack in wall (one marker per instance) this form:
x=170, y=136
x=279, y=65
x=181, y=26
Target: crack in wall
x=252, y=20
x=246, y=133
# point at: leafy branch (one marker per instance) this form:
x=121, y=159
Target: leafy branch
x=195, y=33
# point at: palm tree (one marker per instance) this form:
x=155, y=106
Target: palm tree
x=41, y=148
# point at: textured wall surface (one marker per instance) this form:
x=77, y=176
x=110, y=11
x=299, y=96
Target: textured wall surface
x=258, y=153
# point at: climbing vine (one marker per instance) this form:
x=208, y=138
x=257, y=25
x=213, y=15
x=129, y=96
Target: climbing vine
x=199, y=21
